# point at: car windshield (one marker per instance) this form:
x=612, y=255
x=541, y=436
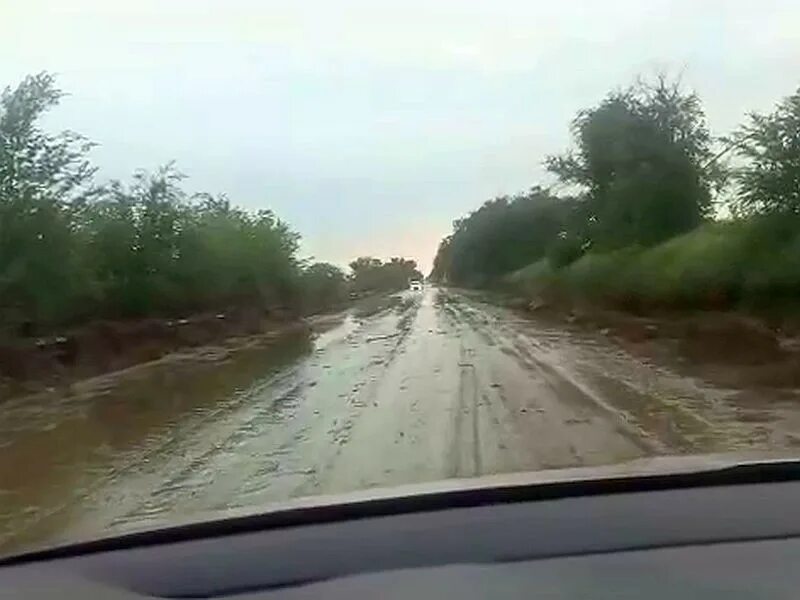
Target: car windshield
x=258, y=251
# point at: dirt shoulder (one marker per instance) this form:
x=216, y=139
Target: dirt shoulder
x=726, y=348
x=31, y=365
x=104, y=348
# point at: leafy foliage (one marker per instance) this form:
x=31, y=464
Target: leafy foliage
x=72, y=251
x=644, y=157
x=503, y=235
x=44, y=184
x=323, y=285
x=769, y=180
x=372, y=274
x=750, y=263
x=34, y=165
x=154, y=251
x=645, y=170
x=641, y=235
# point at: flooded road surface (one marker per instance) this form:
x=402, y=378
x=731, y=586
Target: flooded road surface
x=437, y=385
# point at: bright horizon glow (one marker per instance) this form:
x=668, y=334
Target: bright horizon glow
x=370, y=126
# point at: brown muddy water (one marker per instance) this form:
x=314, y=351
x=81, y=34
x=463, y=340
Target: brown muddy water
x=436, y=385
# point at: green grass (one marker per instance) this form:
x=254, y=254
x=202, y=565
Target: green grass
x=529, y=279
x=749, y=263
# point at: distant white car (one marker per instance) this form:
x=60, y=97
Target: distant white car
x=415, y=285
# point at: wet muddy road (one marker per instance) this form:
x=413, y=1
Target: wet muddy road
x=437, y=385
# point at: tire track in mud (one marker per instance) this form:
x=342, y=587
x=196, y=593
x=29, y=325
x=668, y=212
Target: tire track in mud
x=466, y=446
x=534, y=414
x=362, y=396
x=356, y=400
x=667, y=412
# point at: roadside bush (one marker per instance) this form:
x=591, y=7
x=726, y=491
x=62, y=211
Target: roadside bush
x=503, y=235
x=700, y=268
x=565, y=250
x=323, y=285
x=640, y=231
x=529, y=280
x=606, y=277
x=371, y=274
x=772, y=259
x=72, y=251
x=747, y=263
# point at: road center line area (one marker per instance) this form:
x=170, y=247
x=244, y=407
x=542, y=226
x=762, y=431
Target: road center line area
x=438, y=384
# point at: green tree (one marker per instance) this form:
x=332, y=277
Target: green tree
x=372, y=274
x=442, y=261
x=501, y=236
x=45, y=181
x=254, y=254
x=769, y=180
x=133, y=234
x=644, y=158
x=323, y=285
x=71, y=251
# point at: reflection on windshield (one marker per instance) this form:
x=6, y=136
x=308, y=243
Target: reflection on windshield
x=341, y=268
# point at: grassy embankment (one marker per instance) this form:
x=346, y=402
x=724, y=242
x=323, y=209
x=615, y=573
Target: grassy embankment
x=750, y=265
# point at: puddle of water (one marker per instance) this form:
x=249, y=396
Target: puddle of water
x=57, y=450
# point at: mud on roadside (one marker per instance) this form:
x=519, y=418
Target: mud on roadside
x=33, y=365
x=103, y=349
x=725, y=348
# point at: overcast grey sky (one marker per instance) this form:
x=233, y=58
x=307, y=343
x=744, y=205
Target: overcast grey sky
x=370, y=126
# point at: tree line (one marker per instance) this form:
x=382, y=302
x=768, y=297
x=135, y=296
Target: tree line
x=372, y=274
x=73, y=250
x=644, y=170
